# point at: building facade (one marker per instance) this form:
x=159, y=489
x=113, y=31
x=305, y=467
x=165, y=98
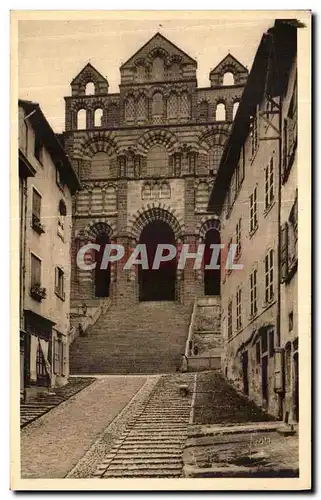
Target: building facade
x=45, y=240
x=147, y=158
x=255, y=197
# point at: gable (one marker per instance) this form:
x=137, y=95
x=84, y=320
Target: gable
x=164, y=46
x=229, y=62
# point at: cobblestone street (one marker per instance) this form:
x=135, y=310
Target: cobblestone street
x=148, y=426
x=52, y=445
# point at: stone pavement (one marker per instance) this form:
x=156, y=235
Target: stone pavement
x=244, y=450
x=54, y=443
x=40, y=404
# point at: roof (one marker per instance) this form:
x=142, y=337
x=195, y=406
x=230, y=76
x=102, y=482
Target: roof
x=52, y=143
x=91, y=67
x=162, y=37
x=229, y=56
x=281, y=39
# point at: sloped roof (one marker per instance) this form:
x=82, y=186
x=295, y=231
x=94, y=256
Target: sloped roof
x=233, y=59
x=163, y=40
x=91, y=68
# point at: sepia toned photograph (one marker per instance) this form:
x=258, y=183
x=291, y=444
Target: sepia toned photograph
x=160, y=207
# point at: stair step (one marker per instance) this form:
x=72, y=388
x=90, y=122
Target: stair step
x=151, y=473
x=145, y=467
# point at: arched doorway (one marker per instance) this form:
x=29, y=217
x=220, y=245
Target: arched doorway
x=212, y=277
x=102, y=276
x=157, y=284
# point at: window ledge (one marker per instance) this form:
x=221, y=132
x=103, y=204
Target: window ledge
x=252, y=233
x=269, y=208
x=61, y=297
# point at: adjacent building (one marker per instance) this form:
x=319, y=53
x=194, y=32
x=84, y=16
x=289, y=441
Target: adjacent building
x=255, y=196
x=47, y=182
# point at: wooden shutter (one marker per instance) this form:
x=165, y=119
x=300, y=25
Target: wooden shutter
x=284, y=251
x=64, y=358
x=36, y=204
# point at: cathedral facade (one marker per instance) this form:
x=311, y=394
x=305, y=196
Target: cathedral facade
x=147, y=159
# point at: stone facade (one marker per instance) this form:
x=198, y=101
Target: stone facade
x=45, y=240
x=149, y=153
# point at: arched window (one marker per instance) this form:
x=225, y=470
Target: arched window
x=158, y=69
x=215, y=158
x=175, y=71
x=96, y=201
x=61, y=218
x=172, y=106
x=81, y=119
x=184, y=108
x=90, y=88
x=235, y=108
x=228, y=78
x=140, y=75
x=165, y=191
x=110, y=201
x=157, y=161
x=100, y=166
x=157, y=105
x=141, y=111
x=201, y=198
x=146, y=192
x=62, y=208
x=155, y=191
x=129, y=109
x=98, y=117
x=203, y=111
x=220, y=113
x=82, y=202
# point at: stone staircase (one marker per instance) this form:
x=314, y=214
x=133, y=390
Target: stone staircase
x=148, y=337
x=153, y=442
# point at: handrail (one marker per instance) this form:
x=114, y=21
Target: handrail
x=88, y=320
x=191, y=329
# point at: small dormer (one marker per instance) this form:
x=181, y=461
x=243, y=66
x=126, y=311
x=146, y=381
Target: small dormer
x=89, y=82
x=228, y=72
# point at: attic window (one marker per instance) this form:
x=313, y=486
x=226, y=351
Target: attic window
x=228, y=78
x=90, y=88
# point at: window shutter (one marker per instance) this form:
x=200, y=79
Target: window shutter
x=284, y=251
x=64, y=359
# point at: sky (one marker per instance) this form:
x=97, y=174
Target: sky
x=52, y=52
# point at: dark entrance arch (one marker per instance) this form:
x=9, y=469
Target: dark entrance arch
x=212, y=277
x=102, y=276
x=157, y=284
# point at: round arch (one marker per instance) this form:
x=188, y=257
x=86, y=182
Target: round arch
x=151, y=214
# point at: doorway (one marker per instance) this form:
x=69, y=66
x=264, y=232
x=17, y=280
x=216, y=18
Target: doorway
x=102, y=276
x=212, y=277
x=296, y=387
x=157, y=284
x=245, y=371
x=264, y=378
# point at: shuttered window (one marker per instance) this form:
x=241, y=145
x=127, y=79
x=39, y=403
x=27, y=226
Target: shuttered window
x=284, y=251
x=35, y=270
x=36, y=204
